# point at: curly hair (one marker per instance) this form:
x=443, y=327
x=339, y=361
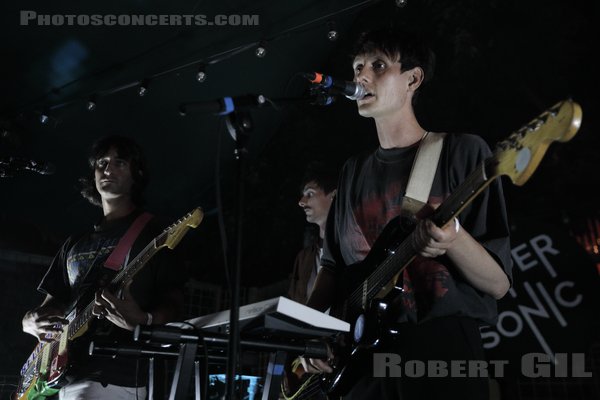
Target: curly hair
x=127, y=149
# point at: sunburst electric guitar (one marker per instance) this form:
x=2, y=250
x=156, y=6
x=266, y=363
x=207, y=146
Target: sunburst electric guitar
x=372, y=282
x=42, y=374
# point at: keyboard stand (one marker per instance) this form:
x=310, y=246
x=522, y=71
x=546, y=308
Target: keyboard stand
x=183, y=372
x=274, y=376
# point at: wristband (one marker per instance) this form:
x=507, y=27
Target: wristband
x=456, y=225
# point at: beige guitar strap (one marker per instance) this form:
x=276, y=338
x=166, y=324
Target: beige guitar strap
x=423, y=172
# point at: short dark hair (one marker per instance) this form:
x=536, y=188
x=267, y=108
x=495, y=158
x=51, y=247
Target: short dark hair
x=410, y=49
x=323, y=174
x=127, y=149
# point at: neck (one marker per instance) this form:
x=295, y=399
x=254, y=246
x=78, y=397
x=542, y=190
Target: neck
x=117, y=207
x=398, y=130
x=322, y=230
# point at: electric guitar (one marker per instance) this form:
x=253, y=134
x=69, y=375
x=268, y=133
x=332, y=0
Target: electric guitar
x=370, y=284
x=43, y=372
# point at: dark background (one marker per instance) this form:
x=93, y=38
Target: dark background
x=499, y=64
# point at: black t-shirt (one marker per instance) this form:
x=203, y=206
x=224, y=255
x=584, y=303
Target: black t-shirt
x=370, y=192
x=77, y=271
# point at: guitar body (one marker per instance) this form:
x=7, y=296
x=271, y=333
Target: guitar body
x=44, y=372
x=369, y=318
x=370, y=323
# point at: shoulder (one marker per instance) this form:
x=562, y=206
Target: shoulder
x=467, y=146
x=357, y=161
x=72, y=240
x=157, y=222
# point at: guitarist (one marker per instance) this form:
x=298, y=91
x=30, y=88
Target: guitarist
x=318, y=191
x=460, y=270
x=77, y=277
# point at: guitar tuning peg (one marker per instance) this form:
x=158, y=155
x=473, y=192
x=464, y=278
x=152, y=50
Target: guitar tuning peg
x=554, y=111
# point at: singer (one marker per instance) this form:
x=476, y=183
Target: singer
x=460, y=269
x=115, y=182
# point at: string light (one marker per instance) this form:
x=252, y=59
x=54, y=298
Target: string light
x=261, y=50
x=44, y=118
x=91, y=104
x=201, y=74
x=143, y=88
x=332, y=33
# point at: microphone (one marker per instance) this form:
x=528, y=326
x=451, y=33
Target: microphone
x=352, y=90
x=20, y=164
x=223, y=106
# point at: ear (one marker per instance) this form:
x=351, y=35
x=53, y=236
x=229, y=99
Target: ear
x=416, y=78
x=333, y=193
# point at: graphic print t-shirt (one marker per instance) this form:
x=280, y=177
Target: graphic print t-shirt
x=78, y=270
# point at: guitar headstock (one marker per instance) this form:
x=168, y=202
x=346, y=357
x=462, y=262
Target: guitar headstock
x=520, y=154
x=176, y=231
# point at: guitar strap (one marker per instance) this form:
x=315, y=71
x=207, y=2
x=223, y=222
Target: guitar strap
x=117, y=257
x=423, y=172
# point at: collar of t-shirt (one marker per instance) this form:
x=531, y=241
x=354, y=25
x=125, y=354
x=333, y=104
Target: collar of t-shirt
x=395, y=153
x=104, y=226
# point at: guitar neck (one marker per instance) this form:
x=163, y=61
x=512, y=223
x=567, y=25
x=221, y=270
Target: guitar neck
x=119, y=281
x=466, y=192
x=403, y=254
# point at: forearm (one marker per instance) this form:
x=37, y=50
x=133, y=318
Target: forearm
x=477, y=266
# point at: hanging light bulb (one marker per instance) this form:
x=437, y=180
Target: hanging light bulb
x=143, y=88
x=201, y=74
x=44, y=118
x=261, y=50
x=91, y=104
x=332, y=33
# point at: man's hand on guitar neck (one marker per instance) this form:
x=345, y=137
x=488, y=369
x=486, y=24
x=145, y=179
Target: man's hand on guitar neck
x=432, y=241
x=472, y=260
x=46, y=321
x=123, y=312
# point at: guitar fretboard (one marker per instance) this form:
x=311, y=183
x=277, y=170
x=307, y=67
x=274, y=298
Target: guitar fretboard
x=122, y=277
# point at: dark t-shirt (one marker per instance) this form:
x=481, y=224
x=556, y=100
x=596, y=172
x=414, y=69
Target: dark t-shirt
x=77, y=271
x=370, y=193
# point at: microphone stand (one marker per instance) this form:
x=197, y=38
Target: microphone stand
x=238, y=124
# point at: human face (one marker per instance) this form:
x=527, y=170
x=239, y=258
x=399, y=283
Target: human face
x=113, y=176
x=315, y=203
x=387, y=86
